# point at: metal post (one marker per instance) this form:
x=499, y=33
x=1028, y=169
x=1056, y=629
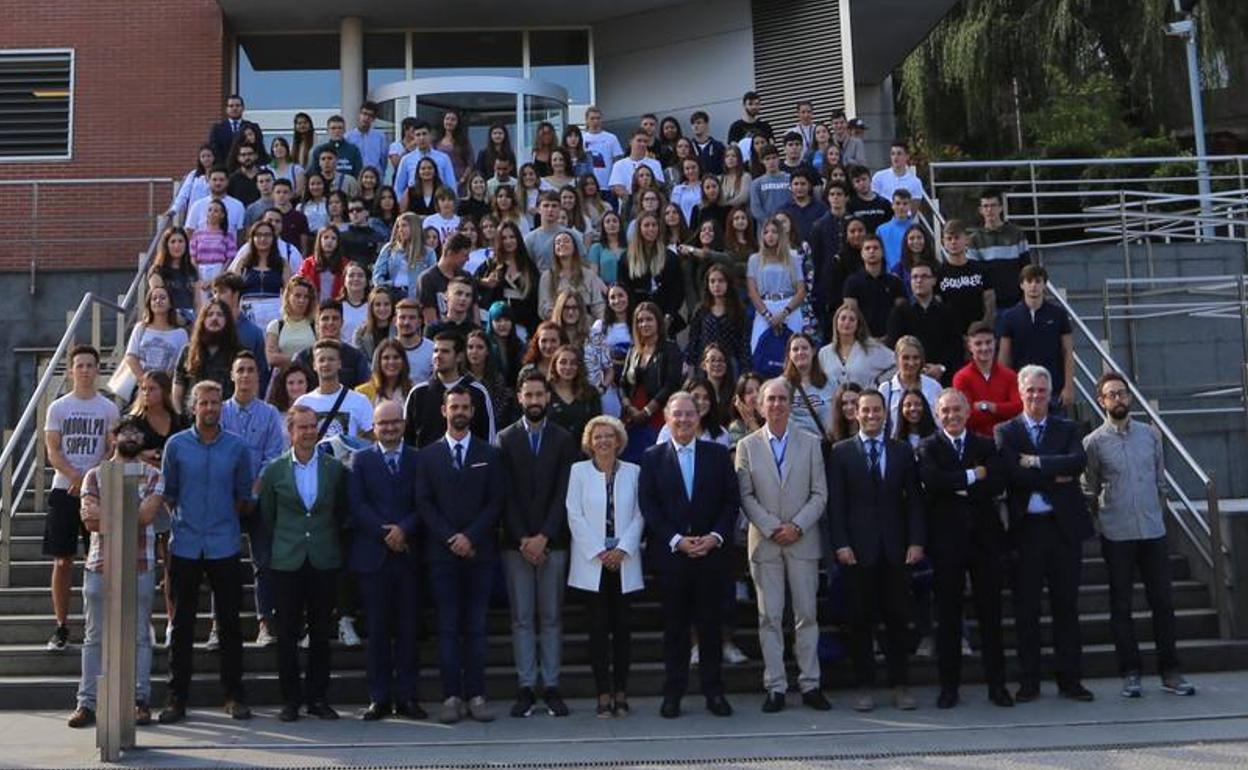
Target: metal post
x=119, y=338
x=95, y=326
x=39, y=480
x=34, y=233
x=119, y=530
x=1185, y=29
x=6, y=513
x=1242, y=292
x=1035, y=204
x=1226, y=623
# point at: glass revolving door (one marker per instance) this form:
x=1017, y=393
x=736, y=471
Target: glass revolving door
x=517, y=103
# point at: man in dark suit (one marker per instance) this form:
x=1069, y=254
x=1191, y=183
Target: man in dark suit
x=1043, y=455
x=302, y=505
x=962, y=475
x=459, y=494
x=877, y=524
x=537, y=456
x=689, y=498
x=383, y=556
x=223, y=132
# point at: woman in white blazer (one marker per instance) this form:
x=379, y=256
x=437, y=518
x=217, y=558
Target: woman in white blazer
x=606, y=525
x=853, y=356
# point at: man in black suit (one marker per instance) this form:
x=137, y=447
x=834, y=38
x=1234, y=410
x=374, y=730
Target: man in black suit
x=382, y=553
x=1043, y=455
x=877, y=524
x=223, y=132
x=962, y=475
x=459, y=494
x=689, y=497
x=537, y=456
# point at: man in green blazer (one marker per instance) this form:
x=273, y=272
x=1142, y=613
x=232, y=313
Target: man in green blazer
x=303, y=505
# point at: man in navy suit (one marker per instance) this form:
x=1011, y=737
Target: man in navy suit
x=223, y=132
x=383, y=556
x=963, y=475
x=689, y=498
x=877, y=523
x=459, y=494
x=1043, y=455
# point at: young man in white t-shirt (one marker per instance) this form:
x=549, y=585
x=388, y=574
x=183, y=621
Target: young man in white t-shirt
x=235, y=211
x=355, y=415
x=445, y=221
x=622, y=171
x=410, y=327
x=602, y=144
x=898, y=174
x=78, y=437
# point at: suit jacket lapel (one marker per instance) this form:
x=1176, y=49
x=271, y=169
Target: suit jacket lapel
x=294, y=485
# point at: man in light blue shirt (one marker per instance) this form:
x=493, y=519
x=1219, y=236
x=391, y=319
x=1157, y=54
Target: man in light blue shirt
x=893, y=232
x=260, y=426
x=371, y=144
x=206, y=479
x=405, y=175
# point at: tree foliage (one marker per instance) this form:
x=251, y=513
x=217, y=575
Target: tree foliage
x=1078, y=72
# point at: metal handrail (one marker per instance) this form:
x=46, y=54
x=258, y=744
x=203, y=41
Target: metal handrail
x=21, y=475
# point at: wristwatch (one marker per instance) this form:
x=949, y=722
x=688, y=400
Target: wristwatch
x=983, y=406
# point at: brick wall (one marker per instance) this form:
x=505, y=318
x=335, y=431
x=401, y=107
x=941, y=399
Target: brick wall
x=148, y=83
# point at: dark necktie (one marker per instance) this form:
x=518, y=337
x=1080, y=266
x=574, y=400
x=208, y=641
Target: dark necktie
x=957, y=444
x=459, y=457
x=535, y=440
x=233, y=126
x=392, y=460
x=1039, y=434
x=874, y=456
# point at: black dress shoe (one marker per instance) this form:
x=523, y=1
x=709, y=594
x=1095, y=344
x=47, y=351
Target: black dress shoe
x=1077, y=692
x=1000, y=697
x=171, y=714
x=670, y=708
x=322, y=710
x=411, y=709
x=814, y=699
x=719, y=706
x=947, y=699
x=1027, y=693
x=375, y=711
x=289, y=713
x=773, y=703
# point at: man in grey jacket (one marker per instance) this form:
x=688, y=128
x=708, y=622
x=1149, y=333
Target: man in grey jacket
x=770, y=192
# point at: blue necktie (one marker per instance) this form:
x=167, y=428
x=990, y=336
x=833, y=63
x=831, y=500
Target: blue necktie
x=392, y=460
x=686, y=469
x=535, y=440
x=1038, y=432
x=778, y=450
x=459, y=457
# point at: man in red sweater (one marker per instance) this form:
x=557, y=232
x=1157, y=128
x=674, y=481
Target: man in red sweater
x=991, y=388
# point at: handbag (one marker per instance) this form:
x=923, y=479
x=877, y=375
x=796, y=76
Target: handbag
x=768, y=355
x=122, y=383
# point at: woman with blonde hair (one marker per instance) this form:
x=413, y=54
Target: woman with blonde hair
x=774, y=283
x=400, y=261
x=568, y=272
x=853, y=355
x=295, y=330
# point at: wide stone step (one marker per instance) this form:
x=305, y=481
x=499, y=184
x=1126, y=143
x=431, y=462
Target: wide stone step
x=742, y=682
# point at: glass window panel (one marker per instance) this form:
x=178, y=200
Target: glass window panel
x=562, y=57
x=289, y=71
x=489, y=52
x=385, y=59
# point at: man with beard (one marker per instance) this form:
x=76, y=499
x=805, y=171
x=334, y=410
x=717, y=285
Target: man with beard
x=459, y=494
x=537, y=457
x=242, y=184
x=207, y=484
x=1125, y=482
x=128, y=438
x=751, y=105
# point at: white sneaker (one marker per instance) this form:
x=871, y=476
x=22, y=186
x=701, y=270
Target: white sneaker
x=347, y=634
x=966, y=647
x=926, y=648
x=213, y=642
x=743, y=593
x=733, y=655
x=693, y=656
x=265, y=638
x=303, y=642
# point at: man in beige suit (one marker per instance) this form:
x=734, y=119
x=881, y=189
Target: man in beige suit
x=784, y=493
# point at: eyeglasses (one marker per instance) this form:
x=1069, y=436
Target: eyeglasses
x=355, y=209
x=1116, y=395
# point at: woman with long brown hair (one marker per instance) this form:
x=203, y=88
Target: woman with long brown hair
x=173, y=268
x=573, y=400
x=652, y=372
x=391, y=377
x=378, y=323
x=157, y=338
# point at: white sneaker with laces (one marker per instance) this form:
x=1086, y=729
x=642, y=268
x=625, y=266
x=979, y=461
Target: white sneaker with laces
x=265, y=638
x=926, y=648
x=693, y=656
x=733, y=655
x=966, y=647
x=346, y=632
x=303, y=642
x=214, y=642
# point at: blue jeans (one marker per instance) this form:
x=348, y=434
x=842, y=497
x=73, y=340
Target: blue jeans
x=93, y=606
x=462, y=593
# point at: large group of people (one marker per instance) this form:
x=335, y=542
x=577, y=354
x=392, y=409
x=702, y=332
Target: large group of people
x=405, y=369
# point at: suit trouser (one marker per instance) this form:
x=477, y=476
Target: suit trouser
x=880, y=589
x=1046, y=557
x=609, y=616
x=1152, y=558
x=304, y=591
x=979, y=555
x=462, y=591
x=391, y=598
x=535, y=592
x=225, y=580
x=802, y=577
x=692, y=594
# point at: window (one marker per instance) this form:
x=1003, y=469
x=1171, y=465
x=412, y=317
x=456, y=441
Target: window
x=385, y=59
x=490, y=52
x=36, y=105
x=289, y=71
x=562, y=57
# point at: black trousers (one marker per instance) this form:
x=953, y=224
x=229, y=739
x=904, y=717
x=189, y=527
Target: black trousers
x=875, y=592
x=692, y=592
x=225, y=578
x=980, y=556
x=1045, y=557
x=1152, y=559
x=610, y=638
x=304, y=592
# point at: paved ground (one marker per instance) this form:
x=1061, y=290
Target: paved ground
x=1208, y=731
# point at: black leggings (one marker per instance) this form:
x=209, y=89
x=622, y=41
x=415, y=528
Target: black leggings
x=609, y=611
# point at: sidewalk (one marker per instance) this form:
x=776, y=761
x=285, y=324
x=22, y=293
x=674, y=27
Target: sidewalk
x=1163, y=724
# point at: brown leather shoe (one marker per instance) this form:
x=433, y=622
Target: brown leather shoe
x=82, y=717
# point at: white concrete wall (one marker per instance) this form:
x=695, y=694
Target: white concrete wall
x=692, y=56
x=875, y=106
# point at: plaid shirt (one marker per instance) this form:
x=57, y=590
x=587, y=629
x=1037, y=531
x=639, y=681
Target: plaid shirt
x=147, y=534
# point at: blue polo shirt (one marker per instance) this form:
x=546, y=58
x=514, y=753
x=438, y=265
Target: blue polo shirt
x=1036, y=338
x=892, y=235
x=203, y=482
